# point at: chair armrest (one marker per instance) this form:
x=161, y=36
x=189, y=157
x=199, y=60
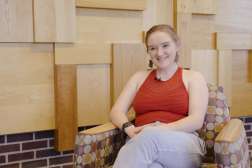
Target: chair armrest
x=98, y=146
x=99, y=129
x=231, y=146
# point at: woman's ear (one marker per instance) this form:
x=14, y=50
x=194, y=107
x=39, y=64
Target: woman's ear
x=178, y=44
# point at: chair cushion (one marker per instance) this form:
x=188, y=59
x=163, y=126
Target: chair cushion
x=216, y=117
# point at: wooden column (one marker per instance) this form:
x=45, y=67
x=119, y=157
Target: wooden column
x=65, y=106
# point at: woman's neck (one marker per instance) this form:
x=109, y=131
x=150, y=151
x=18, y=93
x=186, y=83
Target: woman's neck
x=167, y=73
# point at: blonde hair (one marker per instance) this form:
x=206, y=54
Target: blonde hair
x=166, y=29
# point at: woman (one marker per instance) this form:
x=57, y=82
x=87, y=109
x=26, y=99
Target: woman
x=170, y=105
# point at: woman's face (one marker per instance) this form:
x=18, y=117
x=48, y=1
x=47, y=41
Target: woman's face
x=162, y=49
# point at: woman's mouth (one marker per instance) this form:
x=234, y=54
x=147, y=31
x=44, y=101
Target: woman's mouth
x=162, y=58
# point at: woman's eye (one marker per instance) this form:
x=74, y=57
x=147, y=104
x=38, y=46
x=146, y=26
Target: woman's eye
x=151, y=49
x=165, y=45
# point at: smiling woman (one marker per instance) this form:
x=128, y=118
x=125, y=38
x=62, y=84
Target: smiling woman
x=169, y=96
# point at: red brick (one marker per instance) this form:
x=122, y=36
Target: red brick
x=34, y=145
x=9, y=148
x=20, y=156
x=61, y=160
x=16, y=165
x=35, y=163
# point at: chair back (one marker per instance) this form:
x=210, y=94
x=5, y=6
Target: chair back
x=216, y=117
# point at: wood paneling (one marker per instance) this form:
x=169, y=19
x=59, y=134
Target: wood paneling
x=65, y=106
x=93, y=87
x=127, y=59
x=241, y=88
x=206, y=7
x=226, y=41
x=54, y=21
x=83, y=53
x=225, y=73
x=16, y=21
x=113, y=4
x=107, y=26
x=27, y=93
x=183, y=27
x=206, y=62
x=233, y=16
x=154, y=13
x=203, y=32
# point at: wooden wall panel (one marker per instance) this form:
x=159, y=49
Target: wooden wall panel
x=127, y=59
x=206, y=62
x=65, y=106
x=203, y=32
x=225, y=73
x=206, y=7
x=83, y=53
x=27, y=93
x=118, y=25
x=158, y=12
x=113, y=4
x=54, y=21
x=183, y=27
x=241, y=88
x=94, y=97
x=16, y=21
x=234, y=41
x=233, y=16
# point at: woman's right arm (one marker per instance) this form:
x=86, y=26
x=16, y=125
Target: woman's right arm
x=123, y=103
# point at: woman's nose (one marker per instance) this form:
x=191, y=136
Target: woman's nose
x=160, y=51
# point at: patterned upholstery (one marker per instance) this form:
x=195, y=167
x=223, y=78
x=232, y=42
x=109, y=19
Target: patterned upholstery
x=216, y=117
x=100, y=150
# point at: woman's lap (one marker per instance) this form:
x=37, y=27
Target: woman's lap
x=164, y=147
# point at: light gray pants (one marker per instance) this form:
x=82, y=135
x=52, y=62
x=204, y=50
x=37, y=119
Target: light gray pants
x=155, y=147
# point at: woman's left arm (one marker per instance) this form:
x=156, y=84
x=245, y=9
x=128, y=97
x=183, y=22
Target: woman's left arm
x=198, y=101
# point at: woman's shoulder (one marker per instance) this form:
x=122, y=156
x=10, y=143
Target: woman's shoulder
x=193, y=77
x=140, y=76
x=192, y=74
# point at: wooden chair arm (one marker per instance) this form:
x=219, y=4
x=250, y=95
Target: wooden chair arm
x=231, y=131
x=99, y=129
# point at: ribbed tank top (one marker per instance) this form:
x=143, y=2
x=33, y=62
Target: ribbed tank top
x=164, y=101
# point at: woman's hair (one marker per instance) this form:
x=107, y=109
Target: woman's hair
x=166, y=29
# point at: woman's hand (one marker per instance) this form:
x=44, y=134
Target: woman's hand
x=131, y=131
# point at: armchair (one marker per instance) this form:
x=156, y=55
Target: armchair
x=225, y=139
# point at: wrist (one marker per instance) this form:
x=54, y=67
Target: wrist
x=126, y=125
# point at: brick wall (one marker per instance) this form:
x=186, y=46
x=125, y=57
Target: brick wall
x=248, y=127
x=31, y=150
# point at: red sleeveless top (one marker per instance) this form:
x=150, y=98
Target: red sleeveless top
x=164, y=101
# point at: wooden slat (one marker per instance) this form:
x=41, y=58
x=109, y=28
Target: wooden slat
x=250, y=66
x=231, y=132
x=26, y=94
x=227, y=41
x=206, y=62
x=225, y=73
x=65, y=106
x=206, y=7
x=16, y=21
x=183, y=27
x=112, y=4
x=93, y=86
x=83, y=53
x=127, y=59
x=54, y=20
